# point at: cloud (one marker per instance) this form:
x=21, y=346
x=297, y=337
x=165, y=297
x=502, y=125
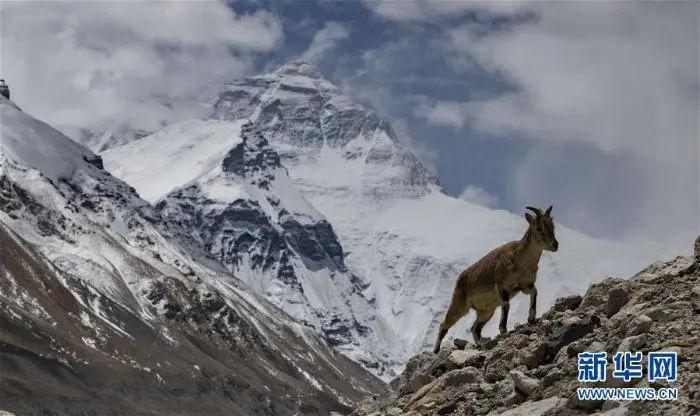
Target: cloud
x=325, y=40
x=622, y=77
x=611, y=84
x=443, y=113
x=136, y=64
x=478, y=196
x=426, y=154
x=432, y=10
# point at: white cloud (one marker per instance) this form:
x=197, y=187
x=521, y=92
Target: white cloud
x=443, y=113
x=478, y=196
x=587, y=76
x=426, y=154
x=142, y=64
x=620, y=76
x=431, y=10
x=617, y=77
x=325, y=40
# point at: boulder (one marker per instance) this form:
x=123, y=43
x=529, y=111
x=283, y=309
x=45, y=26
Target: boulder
x=538, y=408
x=465, y=358
x=534, y=353
x=617, y=298
x=633, y=343
x=567, y=303
x=552, y=377
x=462, y=376
x=639, y=325
x=569, y=332
x=524, y=384
x=658, y=314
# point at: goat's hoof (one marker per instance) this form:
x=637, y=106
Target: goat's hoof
x=531, y=320
x=503, y=330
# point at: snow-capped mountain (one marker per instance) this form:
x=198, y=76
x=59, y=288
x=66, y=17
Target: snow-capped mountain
x=404, y=237
x=224, y=184
x=107, y=307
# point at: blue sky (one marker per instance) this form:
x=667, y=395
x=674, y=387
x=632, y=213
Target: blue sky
x=590, y=107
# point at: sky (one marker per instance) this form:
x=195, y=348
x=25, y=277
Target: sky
x=588, y=106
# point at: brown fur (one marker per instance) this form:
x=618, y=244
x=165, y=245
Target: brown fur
x=498, y=276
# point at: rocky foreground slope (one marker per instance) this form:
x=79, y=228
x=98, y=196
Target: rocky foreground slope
x=532, y=370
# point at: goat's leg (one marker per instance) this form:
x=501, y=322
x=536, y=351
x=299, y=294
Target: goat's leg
x=482, y=317
x=454, y=313
x=505, y=308
x=532, y=313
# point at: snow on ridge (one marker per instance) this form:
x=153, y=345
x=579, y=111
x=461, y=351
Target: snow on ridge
x=30, y=142
x=176, y=155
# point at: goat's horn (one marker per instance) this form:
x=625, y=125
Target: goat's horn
x=535, y=210
x=548, y=212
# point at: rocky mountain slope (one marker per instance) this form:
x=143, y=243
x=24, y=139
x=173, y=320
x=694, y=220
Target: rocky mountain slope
x=402, y=236
x=108, y=308
x=532, y=370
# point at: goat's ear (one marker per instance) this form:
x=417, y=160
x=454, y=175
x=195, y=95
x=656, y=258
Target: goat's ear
x=548, y=212
x=530, y=219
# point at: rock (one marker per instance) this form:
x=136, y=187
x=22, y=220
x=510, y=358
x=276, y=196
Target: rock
x=596, y=346
x=576, y=403
x=514, y=398
x=460, y=343
x=616, y=411
x=570, y=332
x=658, y=314
x=416, y=382
x=552, y=377
x=394, y=411
x=633, y=343
x=488, y=343
x=496, y=371
x=695, y=291
x=422, y=392
x=524, y=384
x=567, y=303
x=465, y=358
x=639, y=325
x=462, y=376
x=617, y=298
x=610, y=404
x=450, y=407
x=539, y=408
x=534, y=353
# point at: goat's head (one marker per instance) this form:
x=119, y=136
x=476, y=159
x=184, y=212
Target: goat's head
x=542, y=227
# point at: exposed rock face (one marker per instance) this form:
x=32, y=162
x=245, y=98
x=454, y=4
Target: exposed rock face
x=532, y=370
x=617, y=297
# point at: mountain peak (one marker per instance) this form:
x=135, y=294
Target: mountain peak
x=299, y=67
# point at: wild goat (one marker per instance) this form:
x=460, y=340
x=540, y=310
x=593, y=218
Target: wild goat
x=499, y=276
